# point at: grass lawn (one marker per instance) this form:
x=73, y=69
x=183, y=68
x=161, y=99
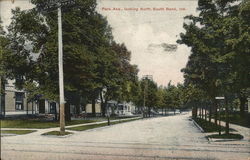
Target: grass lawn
x=83, y=128
x=117, y=122
x=226, y=136
x=20, y=132
x=236, y=118
x=56, y=133
x=38, y=124
x=210, y=127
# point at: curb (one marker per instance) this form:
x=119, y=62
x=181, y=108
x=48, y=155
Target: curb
x=198, y=126
x=222, y=140
x=213, y=139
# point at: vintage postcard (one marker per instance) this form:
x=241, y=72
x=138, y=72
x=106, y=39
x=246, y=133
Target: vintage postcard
x=125, y=79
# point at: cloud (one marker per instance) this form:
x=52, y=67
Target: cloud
x=145, y=33
x=164, y=46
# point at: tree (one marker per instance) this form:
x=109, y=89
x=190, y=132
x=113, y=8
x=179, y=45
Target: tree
x=217, y=63
x=160, y=98
x=4, y=72
x=116, y=74
x=93, y=61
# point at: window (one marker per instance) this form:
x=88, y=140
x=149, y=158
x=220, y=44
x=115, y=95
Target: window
x=19, y=96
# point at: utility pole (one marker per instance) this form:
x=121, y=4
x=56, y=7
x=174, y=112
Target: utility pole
x=53, y=5
x=60, y=66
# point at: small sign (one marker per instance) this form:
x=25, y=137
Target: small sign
x=219, y=97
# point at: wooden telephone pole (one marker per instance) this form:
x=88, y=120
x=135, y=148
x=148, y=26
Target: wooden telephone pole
x=52, y=5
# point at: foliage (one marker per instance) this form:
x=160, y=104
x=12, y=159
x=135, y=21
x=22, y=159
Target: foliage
x=56, y=133
x=40, y=124
x=209, y=126
x=4, y=56
x=219, y=62
x=226, y=136
x=93, y=61
x=18, y=132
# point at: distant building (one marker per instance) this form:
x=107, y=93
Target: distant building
x=14, y=102
x=119, y=109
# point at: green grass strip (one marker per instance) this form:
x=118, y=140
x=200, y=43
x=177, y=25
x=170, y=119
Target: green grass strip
x=83, y=128
x=56, y=133
x=210, y=126
x=226, y=136
x=38, y=124
x=19, y=132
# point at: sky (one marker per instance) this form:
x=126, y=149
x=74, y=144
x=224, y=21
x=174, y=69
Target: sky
x=146, y=27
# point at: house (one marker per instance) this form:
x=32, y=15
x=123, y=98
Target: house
x=125, y=108
x=115, y=108
x=14, y=102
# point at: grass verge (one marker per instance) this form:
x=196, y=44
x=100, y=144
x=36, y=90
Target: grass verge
x=83, y=128
x=209, y=126
x=56, y=133
x=38, y=124
x=237, y=118
x=19, y=132
x=226, y=136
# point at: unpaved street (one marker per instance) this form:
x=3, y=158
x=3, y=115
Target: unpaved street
x=173, y=137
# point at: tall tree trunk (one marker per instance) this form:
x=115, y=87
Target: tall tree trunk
x=27, y=107
x=149, y=110
x=210, y=112
x=215, y=112
x=56, y=118
x=199, y=108
x=67, y=112
x=227, y=116
x=243, y=101
x=205, y=114
x=202, y=114
x=93, y=107
x=194, y=111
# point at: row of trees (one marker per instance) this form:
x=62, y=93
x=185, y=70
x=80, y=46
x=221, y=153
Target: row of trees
x=219, y=38
x=93, y=62
x=149, y=96
x=95, y=66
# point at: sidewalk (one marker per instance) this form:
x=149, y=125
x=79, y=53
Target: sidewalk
x=244, y=131
x=41, y=131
